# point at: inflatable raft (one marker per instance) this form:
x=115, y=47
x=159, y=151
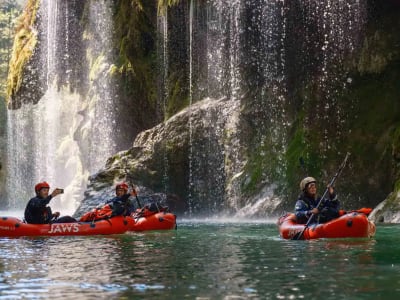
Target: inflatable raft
x=161, y=220
x=150, y=217
x=354, y=224
x=14, y=227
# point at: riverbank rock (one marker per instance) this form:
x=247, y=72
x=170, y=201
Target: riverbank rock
x=172, y=157
x=387, y=211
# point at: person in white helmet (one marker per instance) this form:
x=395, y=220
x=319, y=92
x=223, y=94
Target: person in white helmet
x=306, y=204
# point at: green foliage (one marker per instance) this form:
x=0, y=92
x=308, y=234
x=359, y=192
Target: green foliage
x=135, y=41
x=24, y=45
x=178, y=97
x=261, y=167
x=9, y=10
x=164, y=4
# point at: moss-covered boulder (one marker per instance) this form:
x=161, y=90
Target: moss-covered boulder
x=23, y=82
x=172, y=158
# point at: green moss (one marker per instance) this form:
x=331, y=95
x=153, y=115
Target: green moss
x=380, y=47
x=374, y=135
x=135, y=41
x=24, y=46
x=296, y=151
x=95, y=67
x=164, y=4
x=261, y=166
x=178, y=98
x=377, y=108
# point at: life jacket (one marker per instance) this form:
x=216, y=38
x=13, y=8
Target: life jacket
x=149, y=210
x=97, y=214
x=364, y=210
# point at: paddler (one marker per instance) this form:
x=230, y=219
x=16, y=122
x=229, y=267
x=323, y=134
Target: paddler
x=306, y=204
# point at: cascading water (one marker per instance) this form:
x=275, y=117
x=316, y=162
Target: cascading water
x=40, y=143
x=207, y=158
x=192, y=184
x=42, y=138
x=339, y=26
x=100, y=126
x=257, y=53
x=162, y=26
x=223, y=79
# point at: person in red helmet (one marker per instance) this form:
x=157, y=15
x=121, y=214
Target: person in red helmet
x=120, y=204
x=37, y=211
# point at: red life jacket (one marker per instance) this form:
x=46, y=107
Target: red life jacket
x=97, y=214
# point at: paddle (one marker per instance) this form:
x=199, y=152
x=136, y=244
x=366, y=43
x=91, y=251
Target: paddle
x=137, y=199
x=127, y=175
x=298, y=236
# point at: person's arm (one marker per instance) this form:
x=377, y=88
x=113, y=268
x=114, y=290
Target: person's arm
x=331, y=206
x=40, y=202
x=56, y=192
x=301, y=210
x=332, y=195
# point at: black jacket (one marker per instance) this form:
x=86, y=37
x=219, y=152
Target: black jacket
x=121, y=206
x=329, y=208
x=37, y=211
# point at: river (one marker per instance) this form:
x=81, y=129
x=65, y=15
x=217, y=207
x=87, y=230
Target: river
x=202, y=260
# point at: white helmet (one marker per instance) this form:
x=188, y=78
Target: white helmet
x=305, y=182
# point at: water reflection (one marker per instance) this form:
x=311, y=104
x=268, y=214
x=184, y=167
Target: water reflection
x=210, y=261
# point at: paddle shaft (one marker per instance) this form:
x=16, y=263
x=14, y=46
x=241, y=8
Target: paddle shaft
x=325, y=193
x=127, y=175
x=138, y=202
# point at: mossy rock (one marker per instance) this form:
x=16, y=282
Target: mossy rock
x=24, y=46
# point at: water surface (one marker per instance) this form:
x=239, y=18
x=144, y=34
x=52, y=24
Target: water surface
x=201, y=260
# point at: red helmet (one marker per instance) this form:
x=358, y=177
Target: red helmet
x=41, y=185
x=122, y=186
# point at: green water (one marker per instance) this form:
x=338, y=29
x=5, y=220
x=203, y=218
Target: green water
x=201, y=260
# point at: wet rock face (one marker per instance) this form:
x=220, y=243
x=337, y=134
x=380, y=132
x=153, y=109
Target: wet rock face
x=27, y=81
x=306, y=86
x=172, y=157
x=388, y=211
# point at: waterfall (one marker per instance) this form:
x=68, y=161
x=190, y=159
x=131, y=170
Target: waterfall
x=209, y=171
x=192, y=183
x=223, y=79
x=256, y=53
x=63, y=138
x=162, y=30
x=339, y=26
x=100, y=126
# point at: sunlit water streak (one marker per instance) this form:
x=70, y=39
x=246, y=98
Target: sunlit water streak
x=163, y=84
x=207, y=260
x=42, y=138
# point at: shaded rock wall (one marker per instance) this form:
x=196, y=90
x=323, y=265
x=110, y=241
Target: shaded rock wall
x=322, y=81
x=324, y=104
x=160, y=159
x=27, y=81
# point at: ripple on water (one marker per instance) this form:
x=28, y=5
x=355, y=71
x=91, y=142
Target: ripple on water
x=206, y=261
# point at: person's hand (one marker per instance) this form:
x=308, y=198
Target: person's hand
x=315, y=211
x=56, y=215
x=56, y=192
x=133, y=192
x=331, y=189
